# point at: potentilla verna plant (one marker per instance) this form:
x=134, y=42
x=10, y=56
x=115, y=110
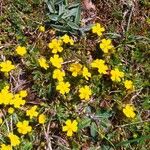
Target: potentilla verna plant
x=70, y=81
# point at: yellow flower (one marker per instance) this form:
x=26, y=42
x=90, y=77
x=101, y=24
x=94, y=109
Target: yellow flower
x=56, y=61
x=96, y=63
x=86, y=73
x=63, y=87
x=70, y=127
x=14, y=139
x=11, y=110
x=66, y=39
x=100, y=65
x=17, y=101
x=1, y=120
x=42, y=119
x=75, y=68
x=21, y=50
x=42, y=62
x=6, y=147
x=42, y=29
x=32, y=112
x=116, y=75
x=58, y=74
x=55, y=45
x=129, y=111
x=6, y=66
x=23, y=93
x=106, y=45
x=5, y=96
x=23, y=127
x=98, y=29
x=128, y=85
x=85, y=92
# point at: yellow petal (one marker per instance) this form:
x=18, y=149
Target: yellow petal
x=65, y=128
x=74, y=128
x=69, y=133
x=68, y=122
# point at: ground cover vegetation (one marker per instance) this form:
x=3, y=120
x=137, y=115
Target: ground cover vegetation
x=74, y=74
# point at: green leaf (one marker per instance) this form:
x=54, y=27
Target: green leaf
x=27, y=145
x=147, y=137
x=53, y=17
x=49, y=92
x=66, y=17
x=78, y=15
x=3, y=83
x=93, y=129
x=74, y=5
x=50, y=6
x=103, y=114
x=69, y=13
x=73, y=25
x=85, y=122
x=60, y=27
x=61, y=8
x=75, y=145
x=57, y=2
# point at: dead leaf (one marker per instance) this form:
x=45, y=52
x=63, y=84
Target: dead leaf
x=88, y=4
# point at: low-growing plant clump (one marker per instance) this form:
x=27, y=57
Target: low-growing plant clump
x=65, y=91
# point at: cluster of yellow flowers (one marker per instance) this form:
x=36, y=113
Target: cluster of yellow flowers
x=116, y=75
x=6, y=66
x=8, y=98
x=106, y=44
x=23, y=128
x=16, y=100
x=14, y=141
x=78, y=69
x=100, y=65
x=85, y=92
x=63, y=86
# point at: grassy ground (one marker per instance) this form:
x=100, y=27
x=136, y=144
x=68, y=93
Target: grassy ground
x=102, y=124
